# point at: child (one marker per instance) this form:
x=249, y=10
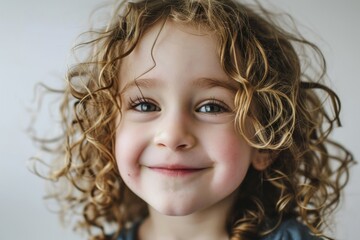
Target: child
x=197, y=119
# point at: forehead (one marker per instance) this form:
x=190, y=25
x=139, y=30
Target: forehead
x=173, y=50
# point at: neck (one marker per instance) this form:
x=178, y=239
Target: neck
x=208, y=224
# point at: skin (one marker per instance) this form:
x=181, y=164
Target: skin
x=176, y=146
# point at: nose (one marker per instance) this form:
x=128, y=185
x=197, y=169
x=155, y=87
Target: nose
x=174, y=132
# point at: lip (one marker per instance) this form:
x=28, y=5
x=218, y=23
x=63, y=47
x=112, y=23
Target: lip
x=176, y=170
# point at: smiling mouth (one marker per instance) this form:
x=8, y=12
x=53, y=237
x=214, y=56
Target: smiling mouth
x=176, y=171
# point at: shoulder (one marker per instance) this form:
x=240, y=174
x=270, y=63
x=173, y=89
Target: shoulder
x=291, y=230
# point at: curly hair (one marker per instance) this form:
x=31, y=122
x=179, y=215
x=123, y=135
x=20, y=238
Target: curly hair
x=280, y=94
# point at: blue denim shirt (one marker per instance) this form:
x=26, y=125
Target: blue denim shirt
x=291, y=230
x=288, y=230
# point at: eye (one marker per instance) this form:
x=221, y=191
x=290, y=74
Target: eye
x=143, y=105
x=146, y=107
x=213, y=106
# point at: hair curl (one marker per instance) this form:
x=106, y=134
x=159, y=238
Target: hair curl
x=278, y=96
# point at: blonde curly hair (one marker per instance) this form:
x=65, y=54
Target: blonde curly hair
x=280, y=91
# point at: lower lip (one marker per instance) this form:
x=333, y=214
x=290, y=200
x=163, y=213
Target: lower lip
x=175, y=172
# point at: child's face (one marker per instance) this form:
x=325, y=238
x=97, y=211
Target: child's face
x=176, y=146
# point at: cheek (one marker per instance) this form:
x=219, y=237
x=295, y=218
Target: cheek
x=128, y=148
x=232, y=155
x=229, y=147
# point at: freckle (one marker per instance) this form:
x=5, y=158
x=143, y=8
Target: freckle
x=129, y=174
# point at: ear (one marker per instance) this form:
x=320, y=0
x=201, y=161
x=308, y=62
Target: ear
x=261, y=160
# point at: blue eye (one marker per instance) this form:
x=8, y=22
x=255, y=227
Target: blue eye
x=212, y=107
x=143, y=105
x=146, y=107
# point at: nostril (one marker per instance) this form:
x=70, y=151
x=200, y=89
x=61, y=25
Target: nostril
x=161, y=145
x=182, y=146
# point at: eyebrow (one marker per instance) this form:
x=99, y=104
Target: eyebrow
x=140, y=83
x=203, y=82
x=215, y=82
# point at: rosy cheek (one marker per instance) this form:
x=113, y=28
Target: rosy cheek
x=123, y=150
x=232, y=146
x=233, y=154
x=128, y=151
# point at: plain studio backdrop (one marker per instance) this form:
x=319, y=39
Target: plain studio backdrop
x=35, y=41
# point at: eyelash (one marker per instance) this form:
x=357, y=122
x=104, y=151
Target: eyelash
x=140, y=101
x=217, y=103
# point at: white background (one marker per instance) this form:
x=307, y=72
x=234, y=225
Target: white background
x=35, y=41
